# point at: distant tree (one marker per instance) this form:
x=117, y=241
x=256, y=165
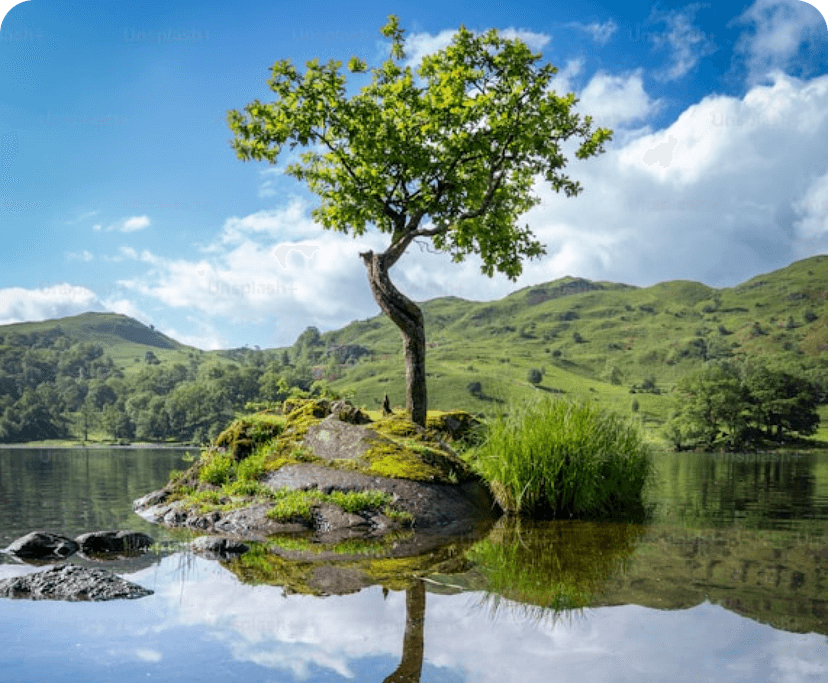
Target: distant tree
x=534, y=376
x=151, y=359
x=449, y=153
x=475, y=389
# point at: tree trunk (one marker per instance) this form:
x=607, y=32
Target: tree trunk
x=411, y=664
x=407, y=316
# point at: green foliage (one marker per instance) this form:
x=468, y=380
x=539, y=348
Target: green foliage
x=291, y=505
x=218, y=468
x=458, y=142
x=553, y=565
x=534, y=376
x=558, y=458
x=732, y=404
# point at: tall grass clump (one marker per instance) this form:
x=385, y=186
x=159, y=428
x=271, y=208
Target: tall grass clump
x=556, y=458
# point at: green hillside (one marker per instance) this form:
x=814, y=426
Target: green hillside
x=624, y=346
x=123, y=338
x=594, y=339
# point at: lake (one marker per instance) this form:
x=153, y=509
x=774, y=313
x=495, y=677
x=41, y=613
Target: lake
x=728, y=581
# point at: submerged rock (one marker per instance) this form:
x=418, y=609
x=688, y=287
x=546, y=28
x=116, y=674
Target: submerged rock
x=316, y=451
x=104, y=542
x=43, y=546
x=218, y=547
x=73, y=583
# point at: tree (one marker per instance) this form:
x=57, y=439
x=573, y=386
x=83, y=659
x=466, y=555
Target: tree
x=447, y=153
x=534, y=376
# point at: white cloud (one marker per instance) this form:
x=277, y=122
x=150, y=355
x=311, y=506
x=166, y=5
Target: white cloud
x=779, y=30
x=45, y=303
x=134, y=223
x=418, y=45
x=287, y=223
x=614, y=100
x=126, y=225
x=562, y=81
x=351, y=635
x=686, y=42
x=601, y=32
x=733, y=187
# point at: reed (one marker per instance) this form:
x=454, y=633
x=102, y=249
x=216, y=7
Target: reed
x=555, y=458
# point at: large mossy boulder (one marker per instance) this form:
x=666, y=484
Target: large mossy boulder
x=324, y=466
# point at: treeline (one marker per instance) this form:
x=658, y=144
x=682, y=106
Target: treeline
x=54, y=388
x=737, y=404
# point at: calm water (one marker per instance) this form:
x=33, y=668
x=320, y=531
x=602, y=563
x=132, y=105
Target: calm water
x=729, y=582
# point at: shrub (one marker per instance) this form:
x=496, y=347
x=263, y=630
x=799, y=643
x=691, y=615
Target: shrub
x=556, y=458
x=218, y=469
x=534, y=376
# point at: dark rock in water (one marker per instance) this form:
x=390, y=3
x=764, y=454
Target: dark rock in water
x=103, y=542
x=218, y=547
x=73, y=583
x=42, y=545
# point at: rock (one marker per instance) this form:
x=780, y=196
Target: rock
x=218, y=547
x=103, y=542
x=437, y=508
x=331, y=446
x=71, y=582
x=42, y=545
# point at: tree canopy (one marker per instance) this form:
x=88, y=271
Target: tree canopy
x=448, y=151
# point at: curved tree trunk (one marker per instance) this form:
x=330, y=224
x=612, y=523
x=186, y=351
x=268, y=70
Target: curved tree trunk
x=409, y=318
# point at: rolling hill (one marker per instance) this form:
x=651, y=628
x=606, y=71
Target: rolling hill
x=588, y=339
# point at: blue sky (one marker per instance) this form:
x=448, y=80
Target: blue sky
x=120, y=191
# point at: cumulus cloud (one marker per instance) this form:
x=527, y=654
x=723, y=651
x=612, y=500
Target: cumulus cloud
x=686, y=43
x=616, y=100
x=733, y=187
x=18, y=304
x=780, y=30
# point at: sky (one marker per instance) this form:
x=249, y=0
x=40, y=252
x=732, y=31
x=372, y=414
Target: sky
x=119, y=190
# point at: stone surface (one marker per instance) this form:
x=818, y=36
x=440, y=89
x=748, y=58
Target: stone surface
x=73, y=583
x=42, y=545
x=218, y=547
x=103, y=542
x=332, y=446
x=332, y=439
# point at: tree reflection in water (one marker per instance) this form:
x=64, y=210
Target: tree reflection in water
x=411, y=664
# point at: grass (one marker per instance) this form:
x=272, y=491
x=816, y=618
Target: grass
x=291, y=505
x=556, y=458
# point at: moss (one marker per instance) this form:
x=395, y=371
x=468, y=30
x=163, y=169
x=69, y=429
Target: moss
x=242, y=437
x=264, y=442
x=299, y=505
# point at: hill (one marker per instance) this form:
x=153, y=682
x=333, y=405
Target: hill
x=588, y=338
x=622, y=345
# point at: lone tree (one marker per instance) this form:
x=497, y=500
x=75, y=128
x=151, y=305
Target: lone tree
x=447, y=152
